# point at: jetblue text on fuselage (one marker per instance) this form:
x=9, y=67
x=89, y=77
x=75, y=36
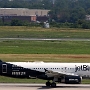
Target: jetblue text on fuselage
x=82, y=68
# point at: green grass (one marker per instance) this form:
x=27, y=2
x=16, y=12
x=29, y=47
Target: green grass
x=85, y=81
x=38, y=32
x=14, y=80
x=17, y=80
x=44, y=47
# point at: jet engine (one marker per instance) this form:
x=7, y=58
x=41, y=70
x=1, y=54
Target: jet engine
x=71, y=79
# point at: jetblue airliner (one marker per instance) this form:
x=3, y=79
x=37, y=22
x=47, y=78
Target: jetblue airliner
x=69, y=73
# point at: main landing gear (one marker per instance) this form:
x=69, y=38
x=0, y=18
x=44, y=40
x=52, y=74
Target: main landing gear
x=53, y=84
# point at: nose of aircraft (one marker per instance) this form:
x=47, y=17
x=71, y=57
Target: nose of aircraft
x=0, y=67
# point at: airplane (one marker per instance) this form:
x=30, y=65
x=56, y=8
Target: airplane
x=69, y=73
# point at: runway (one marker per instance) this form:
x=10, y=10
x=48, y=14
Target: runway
x=18, y=86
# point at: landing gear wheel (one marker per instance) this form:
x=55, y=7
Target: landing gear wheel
x=53, y=84
x=79, y=83
x=48, y=84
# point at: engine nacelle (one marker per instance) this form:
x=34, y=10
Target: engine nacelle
x=71, y=79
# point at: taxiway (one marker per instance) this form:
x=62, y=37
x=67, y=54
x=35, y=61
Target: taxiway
x=47, y=39
x=18, y=86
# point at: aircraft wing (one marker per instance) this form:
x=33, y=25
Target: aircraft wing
x=51, y=73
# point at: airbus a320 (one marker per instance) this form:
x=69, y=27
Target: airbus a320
x=69, y=73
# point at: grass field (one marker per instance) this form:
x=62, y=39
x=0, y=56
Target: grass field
x=15, y=80
x=38, y=32
x=44, y=47
x=47, y=51
x=45, y=57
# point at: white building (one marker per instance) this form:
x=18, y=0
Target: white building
x=22, y=12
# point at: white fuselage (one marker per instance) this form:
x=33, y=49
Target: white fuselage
x=81, y=69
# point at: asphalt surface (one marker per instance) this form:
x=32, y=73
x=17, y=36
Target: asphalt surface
x=47, y=39
x=18, y=86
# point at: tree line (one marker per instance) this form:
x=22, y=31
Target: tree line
x=63, y=12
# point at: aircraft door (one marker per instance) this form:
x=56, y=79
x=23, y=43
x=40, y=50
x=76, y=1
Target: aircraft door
x=4, y=68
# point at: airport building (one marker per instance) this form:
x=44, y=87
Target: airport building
x=25, y=14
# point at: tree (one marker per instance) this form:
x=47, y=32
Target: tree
x=86, y=25
x=16, y=22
